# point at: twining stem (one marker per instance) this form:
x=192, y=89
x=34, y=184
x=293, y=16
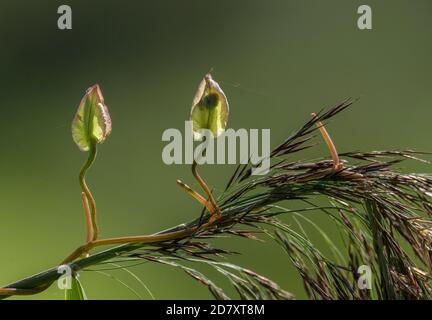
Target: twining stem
x=146, y=239
x=196, y=196
x=88, y=218
x=210, y=204
x=216, y=214
x=91, y=158
x=337, y=165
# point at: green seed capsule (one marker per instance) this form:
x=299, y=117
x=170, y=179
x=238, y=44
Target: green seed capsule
x=210, y=108
x=92, y=121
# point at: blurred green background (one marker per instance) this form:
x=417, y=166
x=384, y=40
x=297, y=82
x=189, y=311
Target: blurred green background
x=277, y=61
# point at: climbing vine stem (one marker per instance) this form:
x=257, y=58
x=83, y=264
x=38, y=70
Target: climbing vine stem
x=93, y=210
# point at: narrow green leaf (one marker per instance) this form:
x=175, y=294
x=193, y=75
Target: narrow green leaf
x=133, y=275
x=92, y=122
x=122, y=283
x=76, y=292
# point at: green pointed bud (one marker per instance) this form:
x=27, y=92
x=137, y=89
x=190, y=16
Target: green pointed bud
x=92, y=122
x=209, y=108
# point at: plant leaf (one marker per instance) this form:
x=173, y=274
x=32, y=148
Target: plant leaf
x=92, y=122
x=76, y=292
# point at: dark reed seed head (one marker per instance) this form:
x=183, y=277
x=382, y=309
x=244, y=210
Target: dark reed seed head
x=379, y=211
